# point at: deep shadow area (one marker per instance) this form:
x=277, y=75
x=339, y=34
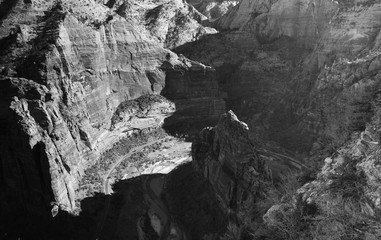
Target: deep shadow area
x=264, y=82
x=194, y=89
x=187, y=127
x=29, y=225
x=127, y=214
x=5, y=7
x=193, y=204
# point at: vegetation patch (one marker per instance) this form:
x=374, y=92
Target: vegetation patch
x=136, y=108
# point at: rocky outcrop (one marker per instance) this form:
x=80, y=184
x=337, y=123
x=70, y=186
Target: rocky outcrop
x=69, y=78
x=170, y=23
x=344, y=200
x=269, y=20
x=311, y=74
x=345, y=99
x=194, y=89
x=274, y=55
x=85, y=81
x=227, y=159
x=152, y=108
x=213, y=9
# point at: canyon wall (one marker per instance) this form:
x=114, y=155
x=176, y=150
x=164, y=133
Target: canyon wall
x=318, y=61
x=273, y=56
x=302, y=73
x=228, y=160
x=68, y=70
x=170, y=23
x=213, y=9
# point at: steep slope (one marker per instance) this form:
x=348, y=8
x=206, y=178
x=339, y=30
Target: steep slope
x=77, y=77
x=170, y=23
x=227, y=159
x=272, y=53
x=313, y=68
x=213, y=9
x=66, y=69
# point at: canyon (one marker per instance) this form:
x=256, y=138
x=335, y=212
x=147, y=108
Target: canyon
x=214, y=119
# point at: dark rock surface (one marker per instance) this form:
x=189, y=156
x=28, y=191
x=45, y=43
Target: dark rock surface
x=228, y=160
x=273, y=56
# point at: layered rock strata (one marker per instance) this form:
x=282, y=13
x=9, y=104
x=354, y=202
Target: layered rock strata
x=68, y=80
x=227, y=159
x=194, y=89
x=170, y=23
x=274, y=54
x=213, y=9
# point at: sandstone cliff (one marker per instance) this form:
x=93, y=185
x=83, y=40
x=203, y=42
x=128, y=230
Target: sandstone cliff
x=68, y=72
x=170, y=23
x=228, y=160
x=75, y=77
x=305, y=74
x=213, y=9
x=274, y=54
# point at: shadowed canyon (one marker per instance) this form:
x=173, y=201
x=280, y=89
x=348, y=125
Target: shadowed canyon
x=190, y=119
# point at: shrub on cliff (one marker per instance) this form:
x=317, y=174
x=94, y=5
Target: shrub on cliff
x=334, y=207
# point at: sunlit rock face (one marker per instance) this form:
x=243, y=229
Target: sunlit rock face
x=66, y=70
x=303, y=20
x=86, y=73
x=228, y=160
x=213, y=9
x=170, y=23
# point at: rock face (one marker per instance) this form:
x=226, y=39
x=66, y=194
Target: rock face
x=228, y=160
x=76, y=77
x=344, y=198
x=307, y=72
x=194, y=89
x=68, y=78
x=170, y=23
x=213, y=9
x=269, y=20
x=273, y=58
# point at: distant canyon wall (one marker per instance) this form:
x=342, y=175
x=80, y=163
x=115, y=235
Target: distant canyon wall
x=272, y=57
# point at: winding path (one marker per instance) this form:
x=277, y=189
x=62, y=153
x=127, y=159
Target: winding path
x=282, y=157
x=157, y=205
x=106, y=184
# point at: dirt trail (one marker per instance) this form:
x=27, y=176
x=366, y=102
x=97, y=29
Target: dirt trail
x=106, y=184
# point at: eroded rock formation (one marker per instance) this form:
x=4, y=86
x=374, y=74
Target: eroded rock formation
x=68, y=71
x=77, y=76
x=227, y=158
x=213, y=9
x=170, y=23
x=272, y=60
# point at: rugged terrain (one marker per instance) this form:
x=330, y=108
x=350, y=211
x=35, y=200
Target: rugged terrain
x=92, y=92
x=70, y=73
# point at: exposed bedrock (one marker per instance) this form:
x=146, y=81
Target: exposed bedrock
x=170, y=23
x=78, y=76
x=194, y=89
x=274, y=55
x=227, y=158
x=73, y=83
x=213, y=9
